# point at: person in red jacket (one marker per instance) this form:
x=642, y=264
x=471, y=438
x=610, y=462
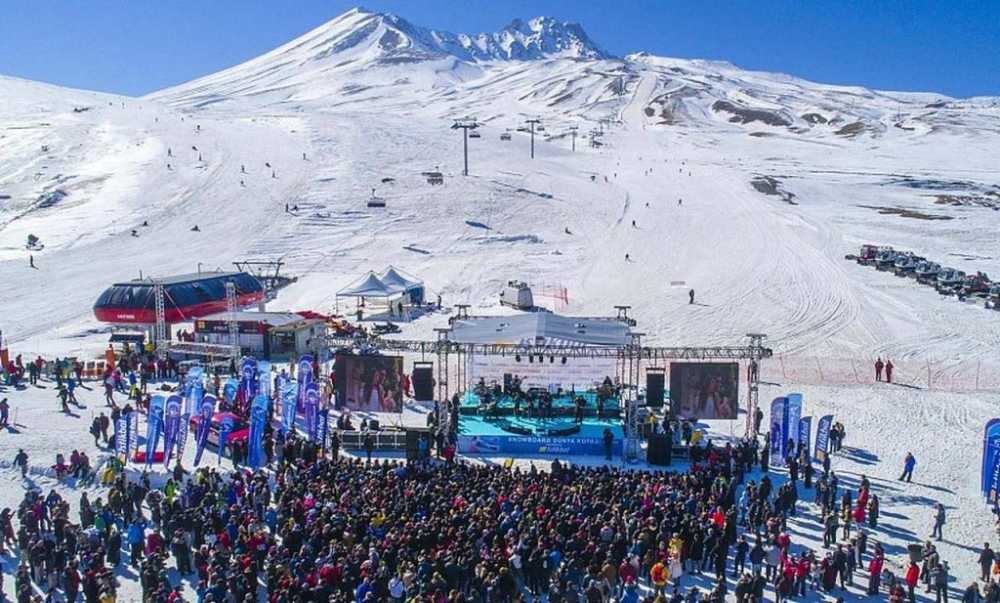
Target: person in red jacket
x=859, y=514
x=912, y=575
x=875, y=574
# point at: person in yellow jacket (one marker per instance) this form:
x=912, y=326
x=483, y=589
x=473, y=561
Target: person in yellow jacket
x=659, y=575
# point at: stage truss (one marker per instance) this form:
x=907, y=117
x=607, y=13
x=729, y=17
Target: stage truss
x=630, y=360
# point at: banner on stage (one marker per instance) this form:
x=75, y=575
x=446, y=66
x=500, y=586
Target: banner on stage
x=562, y=446
x=578, y=374
x=704, y=390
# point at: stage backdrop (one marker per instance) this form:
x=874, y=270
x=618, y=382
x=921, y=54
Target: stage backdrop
x=369, y=383
x=578, y=373
x=704, y=390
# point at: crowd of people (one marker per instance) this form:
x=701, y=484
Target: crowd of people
x=317, y=526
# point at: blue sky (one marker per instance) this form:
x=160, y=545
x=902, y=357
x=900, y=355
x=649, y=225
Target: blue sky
x=135, y=47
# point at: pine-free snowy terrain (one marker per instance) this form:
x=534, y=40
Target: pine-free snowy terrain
x=367, y=100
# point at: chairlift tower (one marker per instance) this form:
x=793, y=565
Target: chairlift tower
x=531, y=123
x=465, y=125
x=159, y=295
x=234, y=334
x=572, y=131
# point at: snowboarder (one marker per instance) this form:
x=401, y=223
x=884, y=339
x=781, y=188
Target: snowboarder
x=633, y=224
x=680, y=202
x=21, y=461
x=170, y=153
x=938, y=521
x=199, y=156
x=242, y=183
x=303, y=156
x=243, y=169
x=627, y=258
x=135, y=232
x=195, y=228
x=879, y=365
x=5, y=413
x=908, y=464
x=691, y=297
x=273, y=174
x=888, y=370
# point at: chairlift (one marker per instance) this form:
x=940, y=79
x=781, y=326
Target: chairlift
x=505, y=136
x=474, y=134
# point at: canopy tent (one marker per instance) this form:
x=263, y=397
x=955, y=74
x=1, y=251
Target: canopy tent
x=395, y=279
x=369, y=285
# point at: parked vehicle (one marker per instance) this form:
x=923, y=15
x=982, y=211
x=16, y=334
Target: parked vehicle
x=994, y=297
x=905, y=264
x=948, y=280
x=866, y=257
x=885, y=258
x=240, y=432
x=976, y=284
x=927, y=272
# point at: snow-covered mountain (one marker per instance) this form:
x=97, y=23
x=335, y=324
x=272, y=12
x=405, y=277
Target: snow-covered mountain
x=779, y=177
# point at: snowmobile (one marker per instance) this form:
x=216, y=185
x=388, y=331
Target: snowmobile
x=927, y=272
x=885, y=257
x=905, y=264
x=866, y=256
x=949, y=280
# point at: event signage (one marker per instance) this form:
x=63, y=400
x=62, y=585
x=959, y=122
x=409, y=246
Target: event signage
x=172, y=425
x=823, y=438
x=990, y=474
x=778, y=423
x=793, y=414
x=289, y=396
x=154, y=426
x=230, y=389
x=264, y=378
x=324, y=426
x=124, y=434
x=311, y=410
x=205, y=413
x=577, y=373
x=805, y=434
x=535, y=445
x=248, y=380
x=194, y=391
x=225, y=428
x=258, y=417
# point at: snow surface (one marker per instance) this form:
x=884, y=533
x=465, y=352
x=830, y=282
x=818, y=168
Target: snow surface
x=369, y=97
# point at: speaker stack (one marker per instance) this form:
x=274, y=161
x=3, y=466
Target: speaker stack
x=423, y=381
x=655, y=379
x=659, y=450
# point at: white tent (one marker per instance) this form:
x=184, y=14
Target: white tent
x=369, y=285
x=394, y=279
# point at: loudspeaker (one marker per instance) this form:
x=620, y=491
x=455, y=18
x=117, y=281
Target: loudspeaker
x=654, y=388
x=413, y=437
x=659, y=450
x=508, y=380
x=423, y=381
x=373, y=425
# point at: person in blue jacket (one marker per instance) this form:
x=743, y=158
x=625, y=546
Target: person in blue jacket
x=136, y=536
x=908, y=466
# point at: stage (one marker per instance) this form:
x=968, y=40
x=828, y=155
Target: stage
x=562, y=405
x=521, y=435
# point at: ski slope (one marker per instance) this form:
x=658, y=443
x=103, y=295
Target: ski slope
x=366, y=101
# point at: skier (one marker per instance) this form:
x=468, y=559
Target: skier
x=170, y=153
x=303, y=156
x=878, y=368
x=626, y=257
x=691, y=297
x=633, y=224
x=273, y=174
x=888, y=370
x=199, y=156
x=243, y=169
x=5, y=412
x=680, y=202
x=21, y=460
x=908, y=464
x=938, y=521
